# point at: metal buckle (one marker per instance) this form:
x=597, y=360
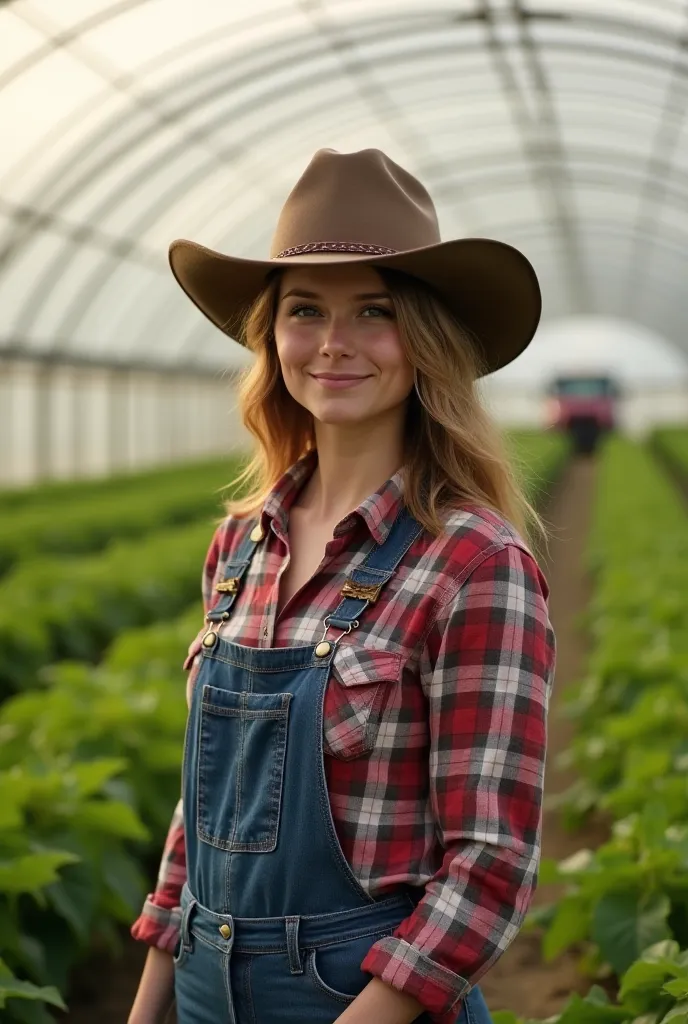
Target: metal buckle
x=212, y=634
x=325, y=647
x=228, y=586
x=362, y=591
x=326, y=624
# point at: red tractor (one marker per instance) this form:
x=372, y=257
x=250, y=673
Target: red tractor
x=584, y=407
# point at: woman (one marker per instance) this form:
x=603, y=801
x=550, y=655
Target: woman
x=364, y=755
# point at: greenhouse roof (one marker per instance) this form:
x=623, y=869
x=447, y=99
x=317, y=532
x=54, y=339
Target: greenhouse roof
x=557, y=125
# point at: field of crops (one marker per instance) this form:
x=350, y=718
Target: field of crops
x=99, y=597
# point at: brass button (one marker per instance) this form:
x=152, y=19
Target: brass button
x=257, y=533
x=323, y=649
x=225, y=931
x=209, y=640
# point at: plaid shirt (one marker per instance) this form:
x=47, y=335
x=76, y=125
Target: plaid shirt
x=434, y=733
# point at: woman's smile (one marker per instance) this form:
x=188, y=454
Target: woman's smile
x=338, y=380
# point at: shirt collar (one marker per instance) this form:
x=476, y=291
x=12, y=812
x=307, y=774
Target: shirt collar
x=378, y=511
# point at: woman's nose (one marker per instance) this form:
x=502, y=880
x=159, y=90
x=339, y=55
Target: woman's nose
x=336, y=338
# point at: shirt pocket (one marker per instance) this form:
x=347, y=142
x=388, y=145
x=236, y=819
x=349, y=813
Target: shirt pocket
x=356, y=695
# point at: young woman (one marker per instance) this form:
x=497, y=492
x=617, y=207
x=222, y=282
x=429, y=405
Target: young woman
x=358, y=836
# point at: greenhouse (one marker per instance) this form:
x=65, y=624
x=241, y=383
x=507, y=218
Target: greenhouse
x=556, y=126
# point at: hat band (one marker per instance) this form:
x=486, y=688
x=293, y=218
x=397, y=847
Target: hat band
x=368, y=250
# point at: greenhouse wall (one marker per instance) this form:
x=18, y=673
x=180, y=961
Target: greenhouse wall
x=63, y=422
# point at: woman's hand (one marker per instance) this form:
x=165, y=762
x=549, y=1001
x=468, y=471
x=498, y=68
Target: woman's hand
x=383, y=1004
x=156, y=989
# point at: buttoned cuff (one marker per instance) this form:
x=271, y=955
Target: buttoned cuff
x=158, y=926
x=401, y=965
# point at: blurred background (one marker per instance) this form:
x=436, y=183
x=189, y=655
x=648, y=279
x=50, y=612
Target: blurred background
x=556, y=125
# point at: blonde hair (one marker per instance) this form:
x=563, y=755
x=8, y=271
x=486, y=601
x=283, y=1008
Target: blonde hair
x=455, y=454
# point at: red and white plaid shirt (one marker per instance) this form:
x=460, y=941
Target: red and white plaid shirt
x=434, y=734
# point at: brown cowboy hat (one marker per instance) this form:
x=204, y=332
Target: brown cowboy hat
x=365, y=208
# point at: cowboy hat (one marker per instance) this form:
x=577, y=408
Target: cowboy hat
x=363, y=207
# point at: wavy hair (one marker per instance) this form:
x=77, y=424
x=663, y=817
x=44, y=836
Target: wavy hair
x=454, y=452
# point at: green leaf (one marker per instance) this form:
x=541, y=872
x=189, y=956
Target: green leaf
x=678, y=1014
x=504, y=1017
x=590, y=1011
x=667, y=950
x=33, y=871
x=91, y=776
x=74, y=897
x=624, y=924
x=642, y=984
x=111, y=817
x=12, y=988
x=570, y=925
x=678, y=987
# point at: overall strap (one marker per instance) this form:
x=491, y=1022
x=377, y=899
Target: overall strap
x=228, y=587
x=364, y=584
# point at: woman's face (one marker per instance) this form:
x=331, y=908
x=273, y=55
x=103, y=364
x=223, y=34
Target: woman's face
x=338, y=344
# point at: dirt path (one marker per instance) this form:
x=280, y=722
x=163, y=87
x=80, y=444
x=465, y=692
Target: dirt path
x=520, y=981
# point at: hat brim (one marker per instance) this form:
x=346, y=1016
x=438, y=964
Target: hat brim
x=489, y=286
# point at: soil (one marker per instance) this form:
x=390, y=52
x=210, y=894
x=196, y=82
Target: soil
x=520, y=981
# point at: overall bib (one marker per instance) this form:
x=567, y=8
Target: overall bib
x=274, y=923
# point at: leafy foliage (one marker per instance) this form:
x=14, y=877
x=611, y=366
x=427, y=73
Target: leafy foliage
x=90, y=519
x=627, y=901
x=88, y=752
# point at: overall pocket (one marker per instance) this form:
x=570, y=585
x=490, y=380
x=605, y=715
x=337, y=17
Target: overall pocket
x=356, y=693
x=241, y=748
x=335, y=969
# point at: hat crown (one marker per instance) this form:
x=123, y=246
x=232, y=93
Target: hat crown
x=362, y=198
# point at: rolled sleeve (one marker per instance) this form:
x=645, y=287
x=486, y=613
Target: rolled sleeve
x=487, y=669
x=159, y=922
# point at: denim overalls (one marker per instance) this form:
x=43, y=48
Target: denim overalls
x=274, y=923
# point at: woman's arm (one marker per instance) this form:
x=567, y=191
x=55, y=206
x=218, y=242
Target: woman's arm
x=486, y=671
x=156, y=989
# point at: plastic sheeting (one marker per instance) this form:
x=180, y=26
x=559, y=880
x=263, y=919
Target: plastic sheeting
x=557, y=125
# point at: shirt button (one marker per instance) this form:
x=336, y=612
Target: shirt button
x=225, y=931
x=265, y=632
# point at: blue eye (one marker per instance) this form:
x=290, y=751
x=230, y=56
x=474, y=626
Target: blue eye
x=379, y=311
x=298, y=310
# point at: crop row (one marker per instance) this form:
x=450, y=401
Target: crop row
x=89, y=521
x=673, y=443
x=626, y=903
x=91, y=751
x=84, y=762
x=540, y=458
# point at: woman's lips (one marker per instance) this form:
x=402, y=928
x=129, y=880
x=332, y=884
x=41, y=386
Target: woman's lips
x=338, y=382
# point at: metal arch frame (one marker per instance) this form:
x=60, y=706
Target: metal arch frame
x=53, y=272
x=109, y=158
x=144, y=176
x=552, y=182
x=113, y=244
x=633, y=55
x=237, y=75
x=659, y=166
x=90, y=145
